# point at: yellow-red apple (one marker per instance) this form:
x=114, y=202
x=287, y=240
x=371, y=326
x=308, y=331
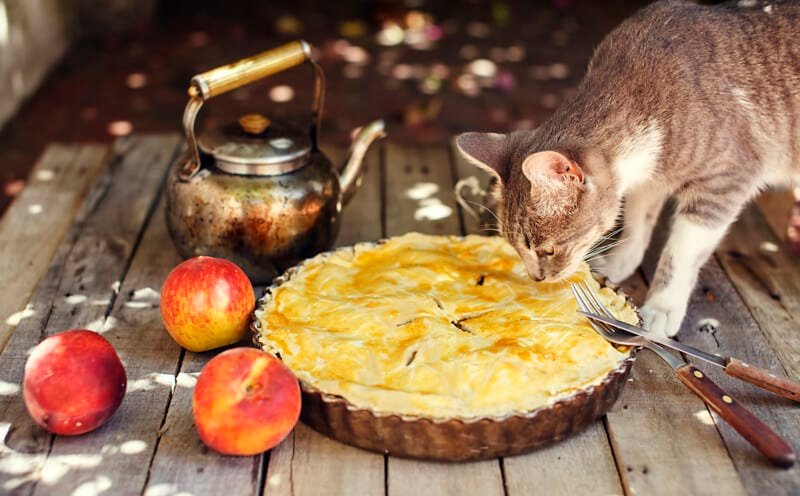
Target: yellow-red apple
x=206, y=303
x=73, y=382
x=245, y=402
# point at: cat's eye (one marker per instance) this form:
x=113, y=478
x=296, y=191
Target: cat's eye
x=545, y=252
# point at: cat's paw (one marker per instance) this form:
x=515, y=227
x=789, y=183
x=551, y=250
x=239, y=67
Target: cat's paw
x=662, y=317
x=615, y=267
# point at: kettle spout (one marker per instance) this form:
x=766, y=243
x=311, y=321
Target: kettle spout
x=350, y=178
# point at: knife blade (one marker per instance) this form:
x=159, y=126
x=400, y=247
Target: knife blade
x=669, y=343
x=733, y=367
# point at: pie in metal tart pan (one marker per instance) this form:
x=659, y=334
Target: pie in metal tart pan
x=441, y=348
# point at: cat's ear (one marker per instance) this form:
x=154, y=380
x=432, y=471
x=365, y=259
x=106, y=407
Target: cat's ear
x=552, y=169
x=489, y=151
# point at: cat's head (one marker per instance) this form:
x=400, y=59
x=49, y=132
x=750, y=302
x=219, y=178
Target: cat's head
x=554, y=204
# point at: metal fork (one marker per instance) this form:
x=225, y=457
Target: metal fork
x=588, y=302
x=758, y=434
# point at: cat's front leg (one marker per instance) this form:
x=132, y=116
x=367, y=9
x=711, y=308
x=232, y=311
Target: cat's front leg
x=642, y=207
x=689, y=245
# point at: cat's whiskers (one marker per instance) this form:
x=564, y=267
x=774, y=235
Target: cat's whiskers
x=609, y=234
x=503, y=228
x=600, y=251
x=487, y=209
x=599, y=246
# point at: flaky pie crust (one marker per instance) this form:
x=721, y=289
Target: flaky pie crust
x=437, y=327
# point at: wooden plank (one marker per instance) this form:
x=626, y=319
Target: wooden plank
x=77, y=291
x=736, y=333
x=35, y=224
x=110, y=240
x=124, y=446
x=562, y=468
x=582, y=464
x=361, y=219
x=719, y=322
x=419, y=191
x=776, y=206
x=767, y=278
x=419, y=197
x=412, y=478
x=182, y=463
x=306, y=462
x=664, y=439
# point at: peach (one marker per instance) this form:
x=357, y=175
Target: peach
x=74, y=381
x=245, y=402
x=206, y=303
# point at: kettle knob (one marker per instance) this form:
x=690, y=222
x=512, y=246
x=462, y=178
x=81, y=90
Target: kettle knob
x=254, y=123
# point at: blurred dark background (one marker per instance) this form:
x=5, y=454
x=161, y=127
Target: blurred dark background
x=92, y=70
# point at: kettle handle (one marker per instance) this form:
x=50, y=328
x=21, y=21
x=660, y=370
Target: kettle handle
x=245, y=71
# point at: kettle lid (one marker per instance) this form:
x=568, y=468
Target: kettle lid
x=256, y=146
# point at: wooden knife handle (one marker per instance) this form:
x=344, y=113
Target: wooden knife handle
x=763, y=379
x=764, y=439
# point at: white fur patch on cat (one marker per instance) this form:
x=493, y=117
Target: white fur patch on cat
x=637, y=157
x=742, y=98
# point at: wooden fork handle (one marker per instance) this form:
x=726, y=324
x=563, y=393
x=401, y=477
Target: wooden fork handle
x=763, y=379
x=764, y=439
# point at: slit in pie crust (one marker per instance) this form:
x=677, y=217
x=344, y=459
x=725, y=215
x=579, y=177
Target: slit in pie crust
x=439, y=327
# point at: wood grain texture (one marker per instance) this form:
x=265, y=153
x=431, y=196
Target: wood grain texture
x=182, y=463
x=750, y=427
x=104, y=456
x=306, y=462
x=763, y=378
x=767, y=278
x=412, y=478
x=35, y=224
x=661, y=433
x=419, y=197
x=718, y=321
x=776, y=206
x=561, y=468
x=77, y=291
x=419, y=191
x=361, y=218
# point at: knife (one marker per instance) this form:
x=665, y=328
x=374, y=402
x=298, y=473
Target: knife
x=732, y=366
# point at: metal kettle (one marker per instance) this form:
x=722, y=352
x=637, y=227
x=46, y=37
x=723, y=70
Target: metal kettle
x=256, y=192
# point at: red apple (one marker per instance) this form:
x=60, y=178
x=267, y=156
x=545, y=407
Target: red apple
x=245, y=402
x=206, y=303
x=73, y=383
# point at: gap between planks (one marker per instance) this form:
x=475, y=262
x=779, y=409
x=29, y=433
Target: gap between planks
x=307, y=461
x=78, y=290
x=621, y=451
x=718, y=320
x=419, y=197
x=36, y=223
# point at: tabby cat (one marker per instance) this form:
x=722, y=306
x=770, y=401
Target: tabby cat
x=699, y=103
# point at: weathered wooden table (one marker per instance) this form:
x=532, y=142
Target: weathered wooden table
x=85, y=246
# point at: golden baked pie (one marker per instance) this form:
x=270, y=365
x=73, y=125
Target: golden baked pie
x=438, y=327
